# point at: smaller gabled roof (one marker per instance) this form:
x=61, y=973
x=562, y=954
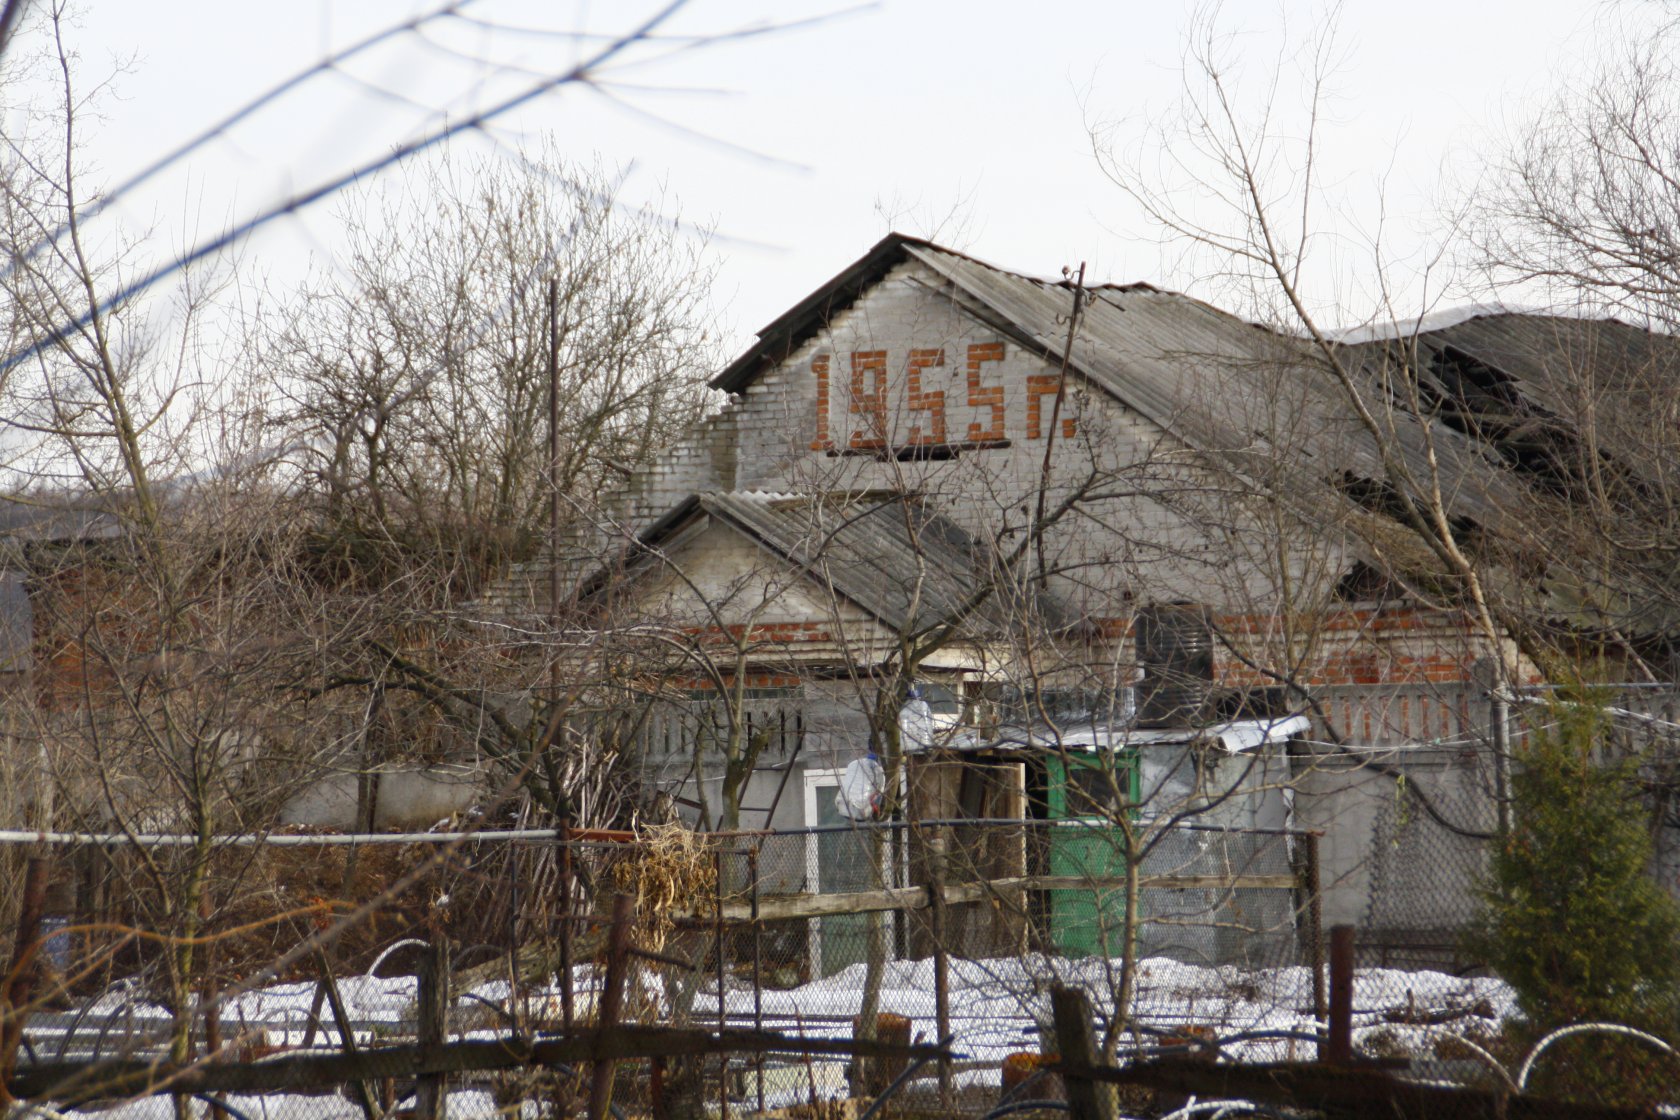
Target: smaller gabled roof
x=894, y=557
x=890, y=554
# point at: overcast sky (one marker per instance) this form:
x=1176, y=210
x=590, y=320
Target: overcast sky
x=968, y=120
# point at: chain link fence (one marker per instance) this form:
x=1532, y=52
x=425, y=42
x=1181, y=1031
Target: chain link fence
x=1186, y=942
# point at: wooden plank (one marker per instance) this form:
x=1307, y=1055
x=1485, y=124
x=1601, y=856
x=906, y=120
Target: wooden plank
x=431, y=1100
x=785, y=907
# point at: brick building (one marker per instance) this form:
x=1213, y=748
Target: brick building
x=1064, y=516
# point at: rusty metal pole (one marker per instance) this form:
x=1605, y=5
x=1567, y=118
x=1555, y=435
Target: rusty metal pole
x=567, y=1012
x=723, y=1056
x=1339, y=1046
x=758, y=969
x=555, y=516
x=556, y=512
x=941, y=957
x=612, y=998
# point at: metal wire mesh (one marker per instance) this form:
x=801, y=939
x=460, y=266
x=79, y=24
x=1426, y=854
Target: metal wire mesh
x=953, y=931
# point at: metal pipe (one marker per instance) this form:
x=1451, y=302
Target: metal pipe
x=283, y=840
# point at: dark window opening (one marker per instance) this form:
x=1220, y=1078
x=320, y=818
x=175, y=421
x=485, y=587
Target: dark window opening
x=917, y=452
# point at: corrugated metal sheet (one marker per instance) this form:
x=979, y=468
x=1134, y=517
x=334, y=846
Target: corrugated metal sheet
x=1270, y=407
x=1563, y=365
x=904, y=564
x=1215, y=381
x=54, y=519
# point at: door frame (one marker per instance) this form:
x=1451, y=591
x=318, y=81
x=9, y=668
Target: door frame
x=815, y=777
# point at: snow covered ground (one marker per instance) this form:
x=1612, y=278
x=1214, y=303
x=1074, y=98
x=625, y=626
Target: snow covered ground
x=995, y=1010
x=996, y=1005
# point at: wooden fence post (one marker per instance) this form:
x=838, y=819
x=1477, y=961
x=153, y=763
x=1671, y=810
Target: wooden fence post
x=1076, y=1044
x=612, y=999
x=346, y=1036
x=1310, y=917
x=431, y=1100
x=1339, y=1046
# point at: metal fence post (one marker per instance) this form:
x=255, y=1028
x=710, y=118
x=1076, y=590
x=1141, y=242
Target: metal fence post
x=611, y=1001
x=567, y=1012
x=758, y=967
x=941, y=958
x=722, y=1020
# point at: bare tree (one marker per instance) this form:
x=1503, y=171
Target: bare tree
x=419, y=379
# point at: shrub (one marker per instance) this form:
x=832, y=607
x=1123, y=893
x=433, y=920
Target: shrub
x=1572, y=918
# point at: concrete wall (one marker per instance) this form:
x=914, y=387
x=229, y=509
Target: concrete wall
x=407, y=797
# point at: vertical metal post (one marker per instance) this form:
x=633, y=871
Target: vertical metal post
x=758, y=969
x=1339, y=1047
x=1499, y=718
x=941, y=957
x=1056, y=420
x=555, y=506
x=567, y=1013
x=723, y=1057
x=612, y=998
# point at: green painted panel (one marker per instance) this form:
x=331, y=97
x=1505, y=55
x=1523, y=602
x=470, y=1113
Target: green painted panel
x=1081, y=792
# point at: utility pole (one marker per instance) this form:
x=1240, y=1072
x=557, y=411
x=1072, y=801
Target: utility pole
x=1056, y=417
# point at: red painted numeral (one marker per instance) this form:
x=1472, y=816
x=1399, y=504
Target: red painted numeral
x=869, y=398
x=985, y=396
x=918, y=400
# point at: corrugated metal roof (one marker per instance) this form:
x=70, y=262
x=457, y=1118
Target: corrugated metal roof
x=1551, y=359
x=50, y=519
x=1211, y=379
x=1270, y=407
x=1217, y=383
x=895, y=558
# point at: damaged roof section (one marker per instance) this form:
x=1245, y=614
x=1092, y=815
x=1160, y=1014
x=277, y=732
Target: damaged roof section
x=1208, y=377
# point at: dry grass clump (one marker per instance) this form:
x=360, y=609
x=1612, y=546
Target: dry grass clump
x=671, y=868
